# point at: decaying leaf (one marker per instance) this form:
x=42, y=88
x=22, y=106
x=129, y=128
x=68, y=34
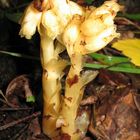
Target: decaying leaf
x=19, y=87
x=116, y=112
x=130, y=48
x=117, y=116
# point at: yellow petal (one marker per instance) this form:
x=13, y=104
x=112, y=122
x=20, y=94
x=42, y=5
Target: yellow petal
x=29, y=22
x=130, y=48
x=62, y=10
x=92, y=27
x=98, y=29
x=76, y=9
x=71, y=32
x=50, y=22
x=109, y=7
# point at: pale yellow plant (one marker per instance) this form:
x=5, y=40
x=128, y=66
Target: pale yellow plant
x=81, y=31
x=29, y=21
x=50, y=17
x=84, y=35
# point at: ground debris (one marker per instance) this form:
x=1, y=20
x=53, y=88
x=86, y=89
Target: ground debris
x=18, y=119
x=120, y=116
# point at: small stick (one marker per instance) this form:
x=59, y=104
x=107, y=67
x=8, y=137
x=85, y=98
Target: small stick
x=14, y=109
x=129, y=22
x=7, y=103
x=34, y=115
x=20, y=132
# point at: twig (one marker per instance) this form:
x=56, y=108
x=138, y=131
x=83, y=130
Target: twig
x=111, y=50
x=1, y=93
x=14, y=109
x=34, y=115
x=5, y=101
x=136, y=100
x=129, y=22
x=20, y=132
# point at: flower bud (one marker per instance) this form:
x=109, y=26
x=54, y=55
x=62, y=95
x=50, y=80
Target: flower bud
x=29, y=22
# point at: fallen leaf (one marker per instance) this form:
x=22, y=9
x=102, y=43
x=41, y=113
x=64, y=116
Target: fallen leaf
x=130, y=48
x=18, y=88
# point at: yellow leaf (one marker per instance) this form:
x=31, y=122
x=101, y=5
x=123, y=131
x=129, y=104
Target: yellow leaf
x=130, y=48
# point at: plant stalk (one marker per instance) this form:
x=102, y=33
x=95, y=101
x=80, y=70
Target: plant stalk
x=51, y=85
